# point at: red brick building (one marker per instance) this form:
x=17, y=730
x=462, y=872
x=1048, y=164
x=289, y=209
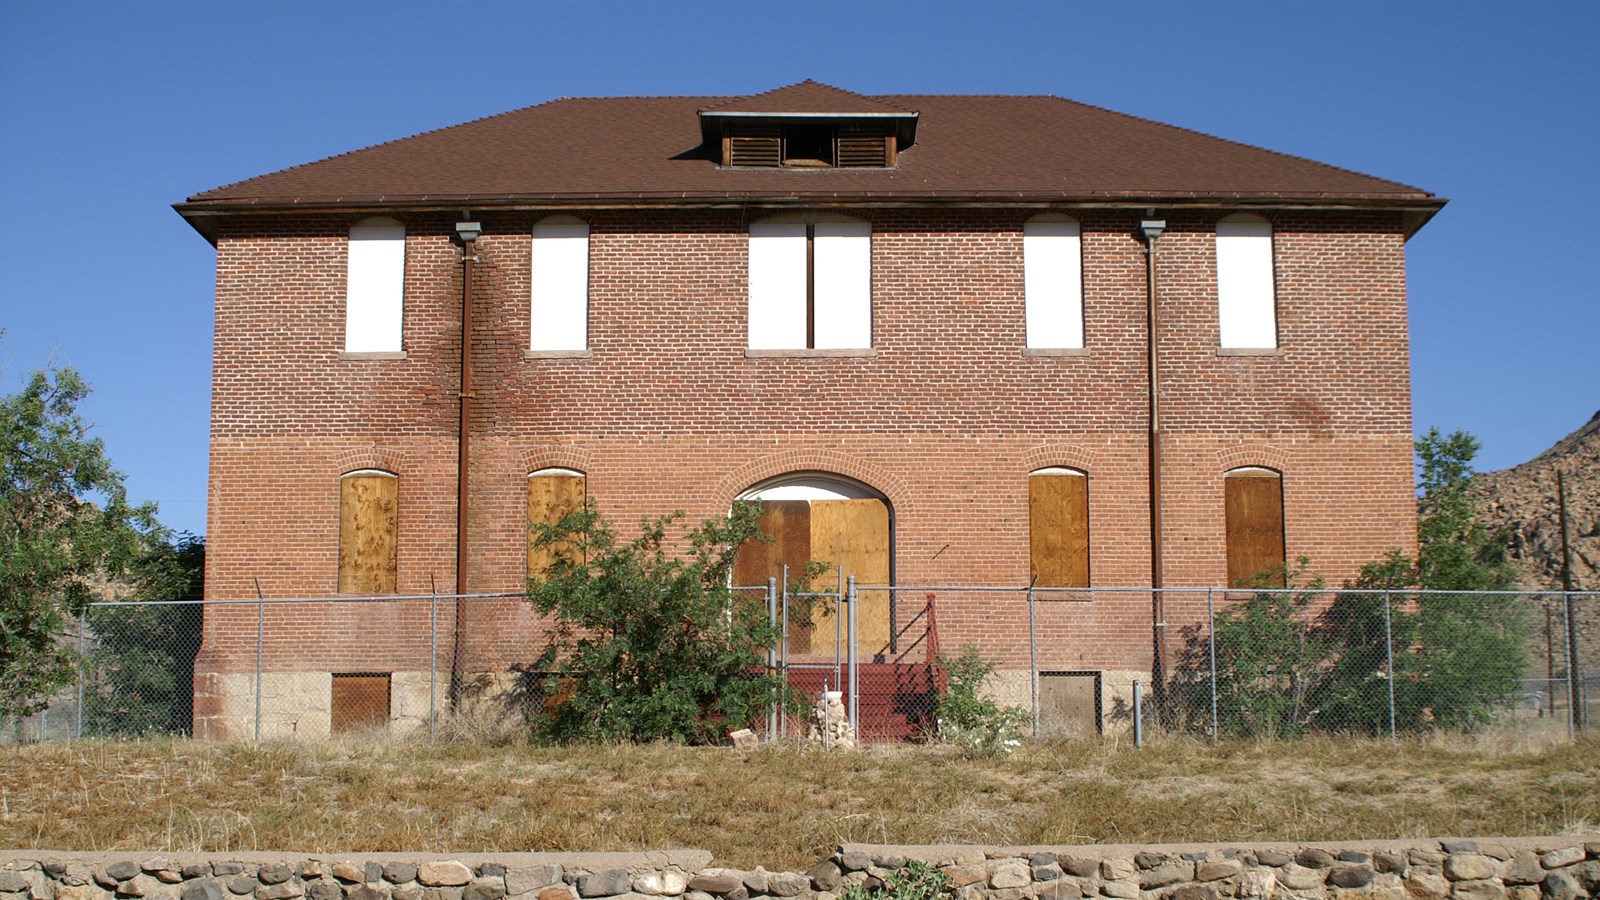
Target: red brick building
x=921, y=326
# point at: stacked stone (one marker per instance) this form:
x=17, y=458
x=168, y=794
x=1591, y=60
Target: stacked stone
x=1513, y=869
x=1470, y=870
x=829, y=724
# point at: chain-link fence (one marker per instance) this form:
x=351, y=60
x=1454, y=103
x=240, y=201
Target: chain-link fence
x=1261, y=663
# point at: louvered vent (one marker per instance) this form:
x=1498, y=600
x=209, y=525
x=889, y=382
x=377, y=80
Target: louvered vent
x=863, y=148
x=758, y=145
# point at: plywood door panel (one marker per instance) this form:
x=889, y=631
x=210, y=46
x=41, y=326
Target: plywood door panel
x=854, y=534
x=369, y=524
x=1058, y=519
x=1069, y=704
x=788, y=523
x=360, y=701
x=550, y=498
x=1253, y=504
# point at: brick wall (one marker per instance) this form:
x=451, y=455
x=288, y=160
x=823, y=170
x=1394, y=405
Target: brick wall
x=946, y=419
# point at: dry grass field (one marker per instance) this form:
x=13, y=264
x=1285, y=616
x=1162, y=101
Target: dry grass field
x=782, y=806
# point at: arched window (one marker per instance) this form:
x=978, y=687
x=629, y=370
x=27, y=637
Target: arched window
x=1246, y=294
x=552, y=494
x=1253, y=514
x=369, y=528
x=1058, y=527
x=375, y=286
x=830, y=519
x=560, y=312
x=1052, y=263
x=810, y=283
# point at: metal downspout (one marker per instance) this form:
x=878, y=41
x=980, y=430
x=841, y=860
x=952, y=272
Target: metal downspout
x=1151, y=229
x=468, y=232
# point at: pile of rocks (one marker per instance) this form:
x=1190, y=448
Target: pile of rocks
x=829, y=723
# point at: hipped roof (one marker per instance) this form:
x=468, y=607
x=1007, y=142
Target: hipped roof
x=650, y=151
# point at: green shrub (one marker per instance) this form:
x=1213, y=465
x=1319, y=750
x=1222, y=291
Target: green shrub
x=976, y=724
x=917, y=881
x=648, y=645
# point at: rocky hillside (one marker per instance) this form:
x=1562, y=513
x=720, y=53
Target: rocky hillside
x=1522, y=500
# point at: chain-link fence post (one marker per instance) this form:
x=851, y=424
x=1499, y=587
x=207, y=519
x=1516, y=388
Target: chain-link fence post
x=433, y=663
x=772, y=657
x=1138, y=715
x=261, y=640
x=1211, y=651
x=1572, y=665
x=855, y=664
x=83, y=624
x=1033, y=654
x=1388, y=650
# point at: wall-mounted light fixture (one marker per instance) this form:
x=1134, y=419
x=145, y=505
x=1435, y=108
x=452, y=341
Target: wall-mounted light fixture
x=468, y=231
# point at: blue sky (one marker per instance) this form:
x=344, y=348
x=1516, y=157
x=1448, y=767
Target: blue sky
x=111, y=112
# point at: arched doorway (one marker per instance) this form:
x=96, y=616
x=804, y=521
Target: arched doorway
x=816, y=516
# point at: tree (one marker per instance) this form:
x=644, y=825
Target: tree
x=65, y=522
x=143, y=656
x=647, y=645
x=1453, y=657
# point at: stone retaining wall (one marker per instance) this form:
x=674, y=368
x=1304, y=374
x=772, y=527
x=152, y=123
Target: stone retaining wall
x=1553, y=868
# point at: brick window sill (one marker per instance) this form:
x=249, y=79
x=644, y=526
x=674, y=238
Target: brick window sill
x=371, y=354
x=557, y=354
x=810, y=354
x=1055, y=351
x=1249, y=351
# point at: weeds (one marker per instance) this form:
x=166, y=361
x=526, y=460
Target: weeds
x=351, y=797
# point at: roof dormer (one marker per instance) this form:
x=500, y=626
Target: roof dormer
x=807, y=126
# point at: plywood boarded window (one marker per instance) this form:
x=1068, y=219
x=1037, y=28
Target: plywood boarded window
x=559, y=318
x=552, y=494
x=1253, y=501
x=1058, y=527
x=360, y=701
x=832, y=522
x=1052, y=263
x=375, y=286
x=369, y=528
x=1247, y=302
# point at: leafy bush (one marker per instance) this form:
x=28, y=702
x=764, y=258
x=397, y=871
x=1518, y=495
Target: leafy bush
x=1270, y=662
x=142, y=669
x=1290, y=661
x=976, y=724
x=647, y=645
x=917, y=881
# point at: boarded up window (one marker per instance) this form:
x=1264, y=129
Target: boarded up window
x=552, y=494
x=810, y=285
x=852, y=534
x=560, y=285
x=1052, y=265
x=375, y=286
x=1058, y=526
x=369, y=526
x=1246, y=291
x=360, y=700
x=1253, y=500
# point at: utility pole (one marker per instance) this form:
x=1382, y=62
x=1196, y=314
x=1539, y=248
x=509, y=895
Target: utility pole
x=1574, y=681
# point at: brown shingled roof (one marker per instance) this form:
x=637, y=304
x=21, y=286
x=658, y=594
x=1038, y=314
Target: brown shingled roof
x=650, y=150
x=811, y=97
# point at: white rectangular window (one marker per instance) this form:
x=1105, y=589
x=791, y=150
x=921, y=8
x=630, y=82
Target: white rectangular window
x=811, y=285
x=842, y=285
x=375, y=287
x=778, y=285
x=1246, y=298
x=1052, y=264
x=560, y=279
